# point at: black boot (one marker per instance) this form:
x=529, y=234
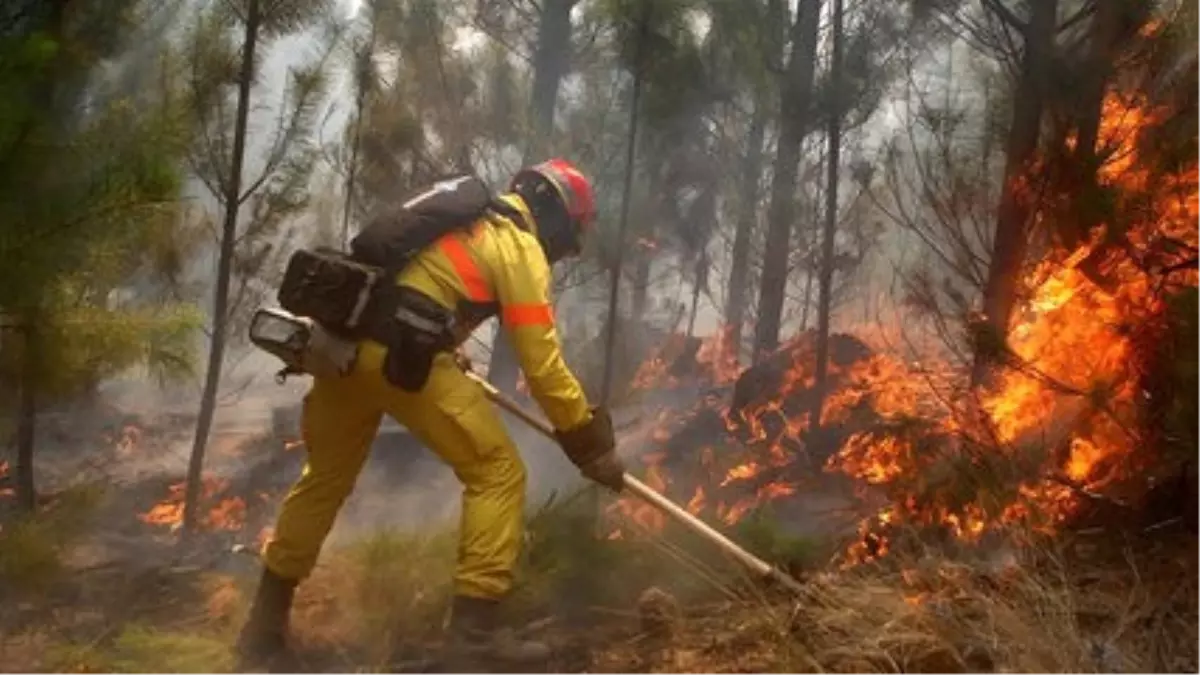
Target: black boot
x=263, y=641
x=478, y=642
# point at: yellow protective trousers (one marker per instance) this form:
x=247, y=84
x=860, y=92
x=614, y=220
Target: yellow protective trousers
x=452, y=417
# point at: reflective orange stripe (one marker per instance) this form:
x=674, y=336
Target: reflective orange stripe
x=466, y=269
x=528, y=315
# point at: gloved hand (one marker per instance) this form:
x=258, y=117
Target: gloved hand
x=591, y=447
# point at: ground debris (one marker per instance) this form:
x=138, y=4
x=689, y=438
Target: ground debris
x=659, y=612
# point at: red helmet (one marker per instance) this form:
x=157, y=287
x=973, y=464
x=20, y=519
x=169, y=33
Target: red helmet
x=562, y=202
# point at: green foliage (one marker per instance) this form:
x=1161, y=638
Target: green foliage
x=563, y=562
x=32, y=546
x=87, y=343
x=85, y=191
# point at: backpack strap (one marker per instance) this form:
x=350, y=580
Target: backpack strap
x=502, y=208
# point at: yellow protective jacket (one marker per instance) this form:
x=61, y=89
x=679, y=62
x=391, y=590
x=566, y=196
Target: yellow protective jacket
x=498, y=268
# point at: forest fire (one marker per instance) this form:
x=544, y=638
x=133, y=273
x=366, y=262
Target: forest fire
x=227, y=514
x=1057, y=425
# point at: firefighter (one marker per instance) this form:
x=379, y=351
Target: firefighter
x=501, y=263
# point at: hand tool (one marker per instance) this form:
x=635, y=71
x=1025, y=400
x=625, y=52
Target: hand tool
x=654, y=498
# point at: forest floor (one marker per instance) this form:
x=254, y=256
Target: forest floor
x=1099, y=602
x=88, y=585
x=374, y=607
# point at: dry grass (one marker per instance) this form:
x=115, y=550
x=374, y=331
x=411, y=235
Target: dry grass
x=1049, y=611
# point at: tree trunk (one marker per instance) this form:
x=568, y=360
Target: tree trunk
x=364, y=72
x=232, y=202
x=735, y=297
x=550, y=61
x=797, y=92
x=1113, y=22
x=614, y=290
x=27, y=420
x=1017, y=201
x=700, y=275
x=640, y=293
x=46, y=95
x=824, y=296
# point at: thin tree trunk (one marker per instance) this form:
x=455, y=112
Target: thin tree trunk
x=1017, y=201
x=610, y=338
x=365, y=71
x=640, y=293
x=1113, y=22
x=549, y=66
x=550, y=61
x=806, y=308
x=232, y=200
x=27, y=420
x=735, y=298
x=824, y=297
x=797, y=91
x=47, y=104
x=699, y=275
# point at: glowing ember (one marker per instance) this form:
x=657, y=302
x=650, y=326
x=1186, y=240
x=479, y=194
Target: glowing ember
x=741, y=472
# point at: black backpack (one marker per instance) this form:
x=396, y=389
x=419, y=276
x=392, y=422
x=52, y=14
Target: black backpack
x=393, y=239
x=340, y=291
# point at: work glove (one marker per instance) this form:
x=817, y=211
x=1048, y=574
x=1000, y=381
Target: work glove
x=591, y=447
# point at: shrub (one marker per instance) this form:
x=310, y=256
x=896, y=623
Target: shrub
x=32, y=547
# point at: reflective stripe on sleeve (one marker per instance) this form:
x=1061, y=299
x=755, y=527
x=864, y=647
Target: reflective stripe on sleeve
x=538, y=314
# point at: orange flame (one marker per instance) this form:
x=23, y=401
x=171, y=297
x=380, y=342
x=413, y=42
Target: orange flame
x=228, y=514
